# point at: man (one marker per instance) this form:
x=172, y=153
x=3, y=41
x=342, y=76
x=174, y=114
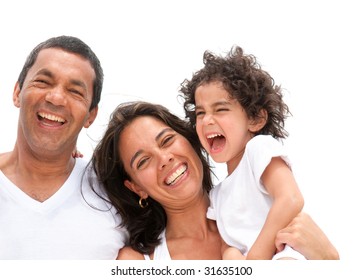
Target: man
x=47, y=207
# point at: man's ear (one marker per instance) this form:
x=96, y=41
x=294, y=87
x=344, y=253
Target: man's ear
x=92, y=116
x=16, y=95
x=259, y=122
x=135, y=188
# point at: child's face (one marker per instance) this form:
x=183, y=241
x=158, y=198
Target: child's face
x=221, y=124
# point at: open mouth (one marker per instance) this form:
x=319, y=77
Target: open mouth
x=50, y=120
x=216, y=141
x=176, y=176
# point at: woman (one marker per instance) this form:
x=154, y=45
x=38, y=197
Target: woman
x=155, y=173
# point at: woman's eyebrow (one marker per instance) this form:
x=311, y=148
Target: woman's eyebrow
x=163, y=131
x=134, y=157
x=158, y=136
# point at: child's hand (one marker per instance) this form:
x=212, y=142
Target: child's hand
x=77, y=154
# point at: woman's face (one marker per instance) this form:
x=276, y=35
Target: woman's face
x=160, y=162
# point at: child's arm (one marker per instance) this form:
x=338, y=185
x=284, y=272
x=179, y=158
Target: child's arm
x=288, y=201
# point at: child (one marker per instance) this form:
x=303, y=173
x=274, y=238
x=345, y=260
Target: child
x=239, y=117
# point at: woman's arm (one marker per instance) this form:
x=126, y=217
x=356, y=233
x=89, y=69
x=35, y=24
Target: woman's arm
x=127, y=253
x=304, y=236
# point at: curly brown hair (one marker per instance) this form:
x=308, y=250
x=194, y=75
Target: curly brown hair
x=242, y=77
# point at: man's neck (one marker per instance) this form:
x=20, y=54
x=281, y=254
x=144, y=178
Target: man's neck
x=39, y=176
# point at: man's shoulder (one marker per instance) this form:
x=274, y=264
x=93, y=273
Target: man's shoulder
x=84, y=169
x=4, y=159
x=83, y=166
x=82, y=163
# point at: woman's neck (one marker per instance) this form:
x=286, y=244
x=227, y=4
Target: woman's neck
x=190, y=235
x=190, y=221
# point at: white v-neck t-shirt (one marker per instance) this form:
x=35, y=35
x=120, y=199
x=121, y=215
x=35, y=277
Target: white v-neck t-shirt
x=65, y=226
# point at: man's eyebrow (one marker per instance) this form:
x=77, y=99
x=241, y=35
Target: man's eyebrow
x=49, y=74
x=45, y=72
x=158, y=136
x=78, y=83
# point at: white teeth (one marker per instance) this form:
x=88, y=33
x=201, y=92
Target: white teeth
x=171, y=179
x=52, y=117
x=213, y=135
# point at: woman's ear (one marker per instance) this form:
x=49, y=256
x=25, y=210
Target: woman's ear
x=135, y=188
x=259, y=122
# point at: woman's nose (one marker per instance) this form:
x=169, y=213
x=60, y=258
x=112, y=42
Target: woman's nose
x=165, y=160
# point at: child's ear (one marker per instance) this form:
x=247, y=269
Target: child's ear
x=259, y=122
x=135, y=188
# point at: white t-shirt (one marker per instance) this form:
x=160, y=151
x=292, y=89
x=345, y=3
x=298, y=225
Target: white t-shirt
x=64, y=226
x=240, y=203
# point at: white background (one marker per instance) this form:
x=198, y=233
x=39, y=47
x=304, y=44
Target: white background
x=147, y=48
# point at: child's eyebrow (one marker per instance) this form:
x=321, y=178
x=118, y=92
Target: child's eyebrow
x=218, y=103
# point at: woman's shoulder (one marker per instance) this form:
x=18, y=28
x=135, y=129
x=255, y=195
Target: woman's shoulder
x=127, y=253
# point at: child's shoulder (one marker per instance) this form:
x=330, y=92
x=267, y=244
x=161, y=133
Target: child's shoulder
x=263, y=146
x=263, y=140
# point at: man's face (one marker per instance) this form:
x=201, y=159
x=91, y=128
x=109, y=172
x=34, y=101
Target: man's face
x=54, y=101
